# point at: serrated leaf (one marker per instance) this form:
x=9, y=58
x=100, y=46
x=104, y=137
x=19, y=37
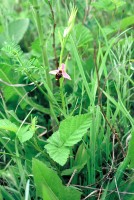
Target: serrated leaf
x=70, y=132
x=56, y=150
x=73, y=129
x=55, y=139
x=58, y=154
x=44, y=176
x=5, y=124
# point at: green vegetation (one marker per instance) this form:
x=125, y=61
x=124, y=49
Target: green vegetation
x=63, y=139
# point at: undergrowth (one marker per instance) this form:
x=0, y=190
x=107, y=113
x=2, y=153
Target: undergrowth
x=66, y=100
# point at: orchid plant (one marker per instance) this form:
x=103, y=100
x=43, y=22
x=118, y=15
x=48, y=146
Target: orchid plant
x=60, y=72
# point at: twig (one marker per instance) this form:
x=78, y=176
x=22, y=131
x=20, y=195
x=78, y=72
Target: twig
x=90, y=194
x=70, y=180
x=100, y=192
x=87, y=9
x=101, y=107
x=93, y=188
x=53, y=34
x=42, y=134
x=15, y=85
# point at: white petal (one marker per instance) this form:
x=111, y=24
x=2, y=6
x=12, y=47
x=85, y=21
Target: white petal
x=54, y=72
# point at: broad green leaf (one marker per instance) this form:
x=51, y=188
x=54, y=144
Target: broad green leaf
x=128, y=21
x=44, y=176
x=70, y=132
x=73, y=129
x=48, y=194
x=25, y=133
x=5, y=124
x=17, y=29
x=58, y=154
x=56, y=150
x=55, y=139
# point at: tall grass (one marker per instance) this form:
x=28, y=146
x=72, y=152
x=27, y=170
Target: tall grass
x=66, y=139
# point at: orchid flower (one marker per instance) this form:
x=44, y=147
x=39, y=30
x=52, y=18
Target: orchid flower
x=60, y=72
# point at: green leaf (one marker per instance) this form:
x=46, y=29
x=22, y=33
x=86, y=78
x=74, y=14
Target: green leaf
x=128, y=21
x=106, y=5
x=121, y=25
x=55, y=139
x=5, y=124
x=58, y=154
x=83, y=35
x=56, y=150
x=73, y=129
x=25, y=134
x=48, y=178
x=81, y=156
x=70, y=132
x=17, y=29
x=48, y=194
x=131, y=151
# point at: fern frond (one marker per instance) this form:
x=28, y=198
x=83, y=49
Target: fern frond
x=24, y=65
x=13, y=50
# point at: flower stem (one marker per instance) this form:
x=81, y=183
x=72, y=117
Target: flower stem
x=62, y=95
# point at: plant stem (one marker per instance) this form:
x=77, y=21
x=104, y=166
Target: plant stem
x=62, y=95
x=19, y=164
x=44, y=54
x=53, y=34
x=42, y=42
